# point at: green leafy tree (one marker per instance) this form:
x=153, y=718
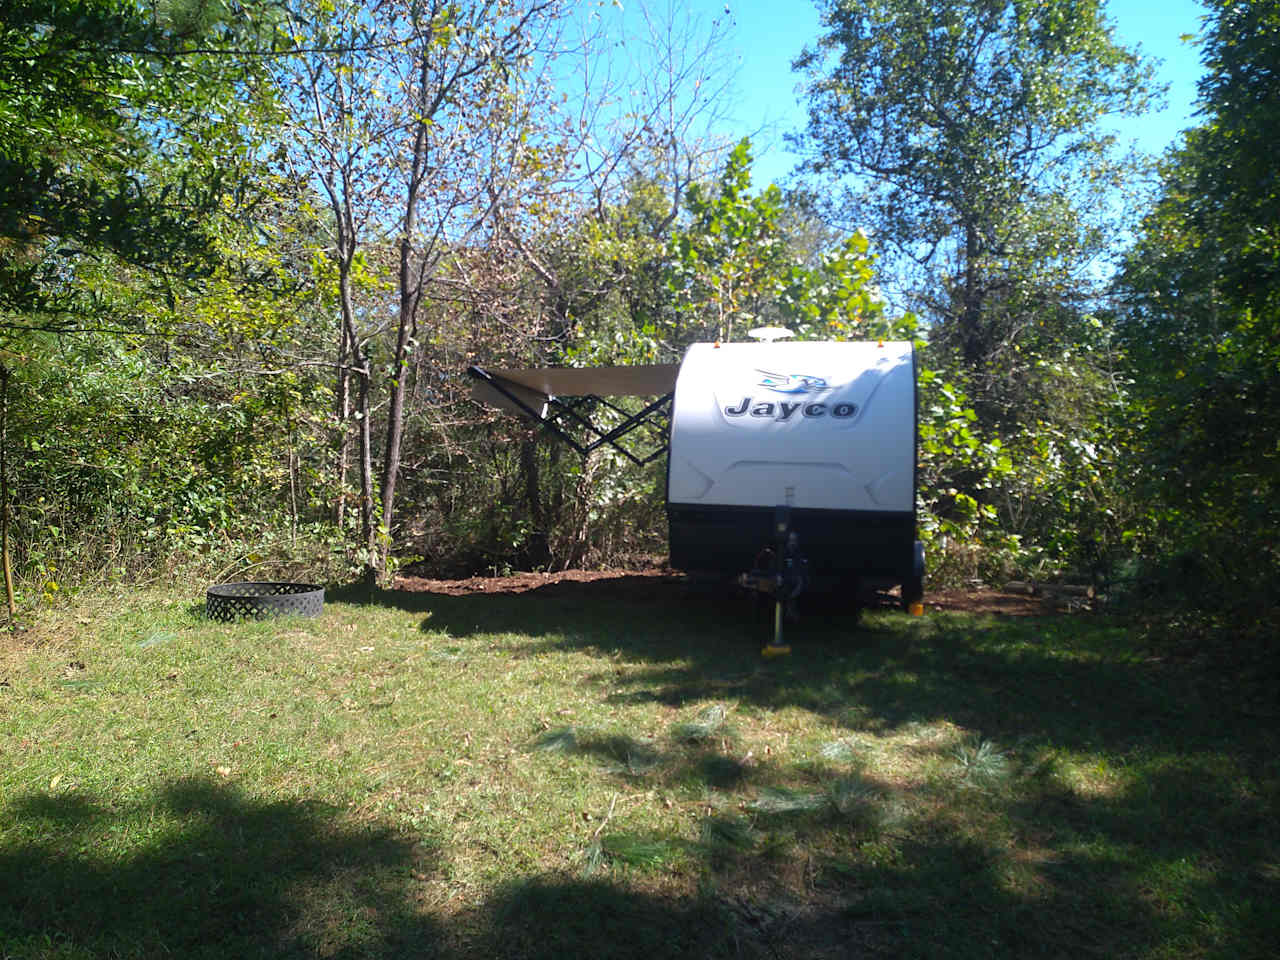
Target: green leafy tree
x=130, y=161
x=132, y=453
x=574, y=272
x=728, y=255
x=969, y=137
x=1201, y=325
x=416, y=119
x=735, y=262
x=120, y=136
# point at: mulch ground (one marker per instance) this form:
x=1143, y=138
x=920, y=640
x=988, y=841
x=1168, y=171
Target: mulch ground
x=640, y=585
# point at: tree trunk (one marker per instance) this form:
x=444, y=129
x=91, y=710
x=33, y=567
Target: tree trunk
x=582, y=511
x=294, y=481
x=342, y=413
x=538, y=551
x=360, y=366
x=359, y=361
x=410, y=290
x=4, y=491
x=411, y=281
x=972, y=341
x=368, y=526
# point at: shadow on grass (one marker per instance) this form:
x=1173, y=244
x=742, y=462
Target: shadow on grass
x=557, y=918
x=550, y=919
x=1133, y=813
x=200, y=870
x=651, y=616
x=941, y=893
x=1078, y=681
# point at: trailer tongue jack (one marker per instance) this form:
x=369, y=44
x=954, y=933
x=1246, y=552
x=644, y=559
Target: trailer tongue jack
x=782, y=572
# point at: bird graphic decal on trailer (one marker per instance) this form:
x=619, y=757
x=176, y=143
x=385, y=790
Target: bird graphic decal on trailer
x=791, y=382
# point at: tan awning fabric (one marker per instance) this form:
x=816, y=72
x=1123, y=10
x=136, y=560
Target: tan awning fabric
x=535, y=402
x=653, y=381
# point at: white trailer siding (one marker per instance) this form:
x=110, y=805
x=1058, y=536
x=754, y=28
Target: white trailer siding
x=814, y=425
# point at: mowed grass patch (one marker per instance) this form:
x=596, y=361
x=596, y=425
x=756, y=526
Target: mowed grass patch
x=581, y=771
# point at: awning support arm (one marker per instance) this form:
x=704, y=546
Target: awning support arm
x=569, y=407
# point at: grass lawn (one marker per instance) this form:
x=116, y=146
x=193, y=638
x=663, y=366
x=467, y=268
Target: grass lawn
x=583, y=770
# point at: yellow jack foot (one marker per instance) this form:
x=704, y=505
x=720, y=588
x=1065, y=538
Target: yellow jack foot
x=775, y=650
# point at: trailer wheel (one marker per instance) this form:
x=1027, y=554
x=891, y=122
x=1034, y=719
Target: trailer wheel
x=913, y=584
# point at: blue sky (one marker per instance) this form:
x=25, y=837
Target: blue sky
x=769, y=33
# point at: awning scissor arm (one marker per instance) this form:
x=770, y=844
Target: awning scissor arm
x=570, y=403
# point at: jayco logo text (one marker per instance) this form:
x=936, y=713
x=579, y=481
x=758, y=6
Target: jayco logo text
x=787, y=410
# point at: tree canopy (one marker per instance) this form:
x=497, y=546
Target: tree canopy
x=120, y=133
x=969, y=138
x=1201, y=321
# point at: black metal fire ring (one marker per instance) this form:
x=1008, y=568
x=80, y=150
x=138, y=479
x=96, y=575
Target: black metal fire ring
x=259, y=599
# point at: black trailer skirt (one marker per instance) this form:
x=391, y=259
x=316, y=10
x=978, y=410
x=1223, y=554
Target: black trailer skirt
x=842, y=544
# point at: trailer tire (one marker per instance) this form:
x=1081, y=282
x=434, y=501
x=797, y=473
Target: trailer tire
x=913, y=584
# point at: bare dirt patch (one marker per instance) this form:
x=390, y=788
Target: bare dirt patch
x=524, y=582
x=640, y=584
x=990, y=600
x=624, y=583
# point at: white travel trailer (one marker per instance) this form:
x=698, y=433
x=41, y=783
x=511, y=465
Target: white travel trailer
x=804, y=452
